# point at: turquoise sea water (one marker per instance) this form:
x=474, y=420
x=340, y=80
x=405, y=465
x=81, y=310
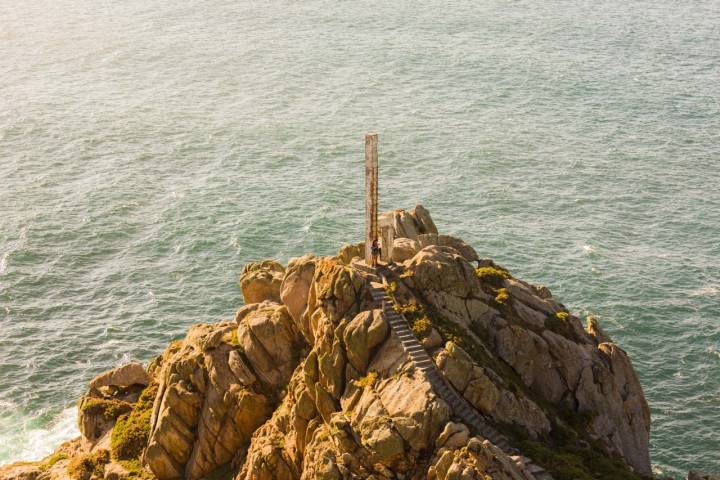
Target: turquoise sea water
x=149, y=149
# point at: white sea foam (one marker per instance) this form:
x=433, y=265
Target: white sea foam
x=588, y=249
x=30, y=443
x=707, y=291
x=11, y=247
x=712, y=350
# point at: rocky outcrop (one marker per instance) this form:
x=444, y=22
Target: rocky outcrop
x=409, y=224
x=110, y=395
x=218, y=387
x=295, y=286
x=311, y=382
x=261, y=281
x=555, y=360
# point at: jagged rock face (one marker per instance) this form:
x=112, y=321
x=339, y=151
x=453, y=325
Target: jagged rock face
x=475, y=459
x=269, y=342
x=486, y=391
x=296, y=285
x=110, y=395
x=260, y=281
x=547, y=348
x=357, y=408
x=214, y=393
x=122, y=377
x=415, y=230
x=404, y=249
x=409, y=224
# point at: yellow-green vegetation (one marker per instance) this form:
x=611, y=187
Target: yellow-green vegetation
x=135, y=470
x=234, y=338
x=132, y=430
x=391, y=288
x=407, y=309
x=223, y=472
x=558, y=323
x=502, y=296
x=421, y=327
x=367, y=381
x=407, y=274
x=420, y=324
x=88, y=465
x=492, y=273
x=110, y=409
x=52, y=460
x=564, y=460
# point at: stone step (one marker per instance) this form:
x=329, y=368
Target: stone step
x=418, y=356
x=422, y=361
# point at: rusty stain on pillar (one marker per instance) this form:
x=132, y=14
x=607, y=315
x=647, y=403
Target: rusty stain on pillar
x=371, y=193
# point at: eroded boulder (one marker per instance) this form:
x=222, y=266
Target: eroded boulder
x=203, y=412
x=260, y=281
x=295, y=286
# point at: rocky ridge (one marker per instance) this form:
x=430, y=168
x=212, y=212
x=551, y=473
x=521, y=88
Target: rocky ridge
x=309, y=381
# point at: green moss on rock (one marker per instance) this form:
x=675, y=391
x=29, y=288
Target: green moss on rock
x=50, y=461
x=110, y=409
x=83, y=467
x=131, y=432
x=368, y=380
x=135, y=470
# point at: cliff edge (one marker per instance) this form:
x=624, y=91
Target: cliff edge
x=443, y=366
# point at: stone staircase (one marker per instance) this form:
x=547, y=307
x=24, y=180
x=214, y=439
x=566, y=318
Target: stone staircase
x=422, y=361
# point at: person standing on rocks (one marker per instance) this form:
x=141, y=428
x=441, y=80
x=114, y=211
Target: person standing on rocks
x=375, y=250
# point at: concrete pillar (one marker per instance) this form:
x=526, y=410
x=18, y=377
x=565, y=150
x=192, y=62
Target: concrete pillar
x=388, y=238
x=371, y=194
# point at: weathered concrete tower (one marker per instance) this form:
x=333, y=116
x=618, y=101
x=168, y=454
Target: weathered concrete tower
x=371, y=194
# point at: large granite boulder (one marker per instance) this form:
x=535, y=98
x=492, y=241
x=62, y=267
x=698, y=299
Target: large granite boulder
x=409, y=224
x=260, y=281
x=110, y=395
x=295, y=287
x=216, y=388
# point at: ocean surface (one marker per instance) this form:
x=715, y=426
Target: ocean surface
x=148, y=150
